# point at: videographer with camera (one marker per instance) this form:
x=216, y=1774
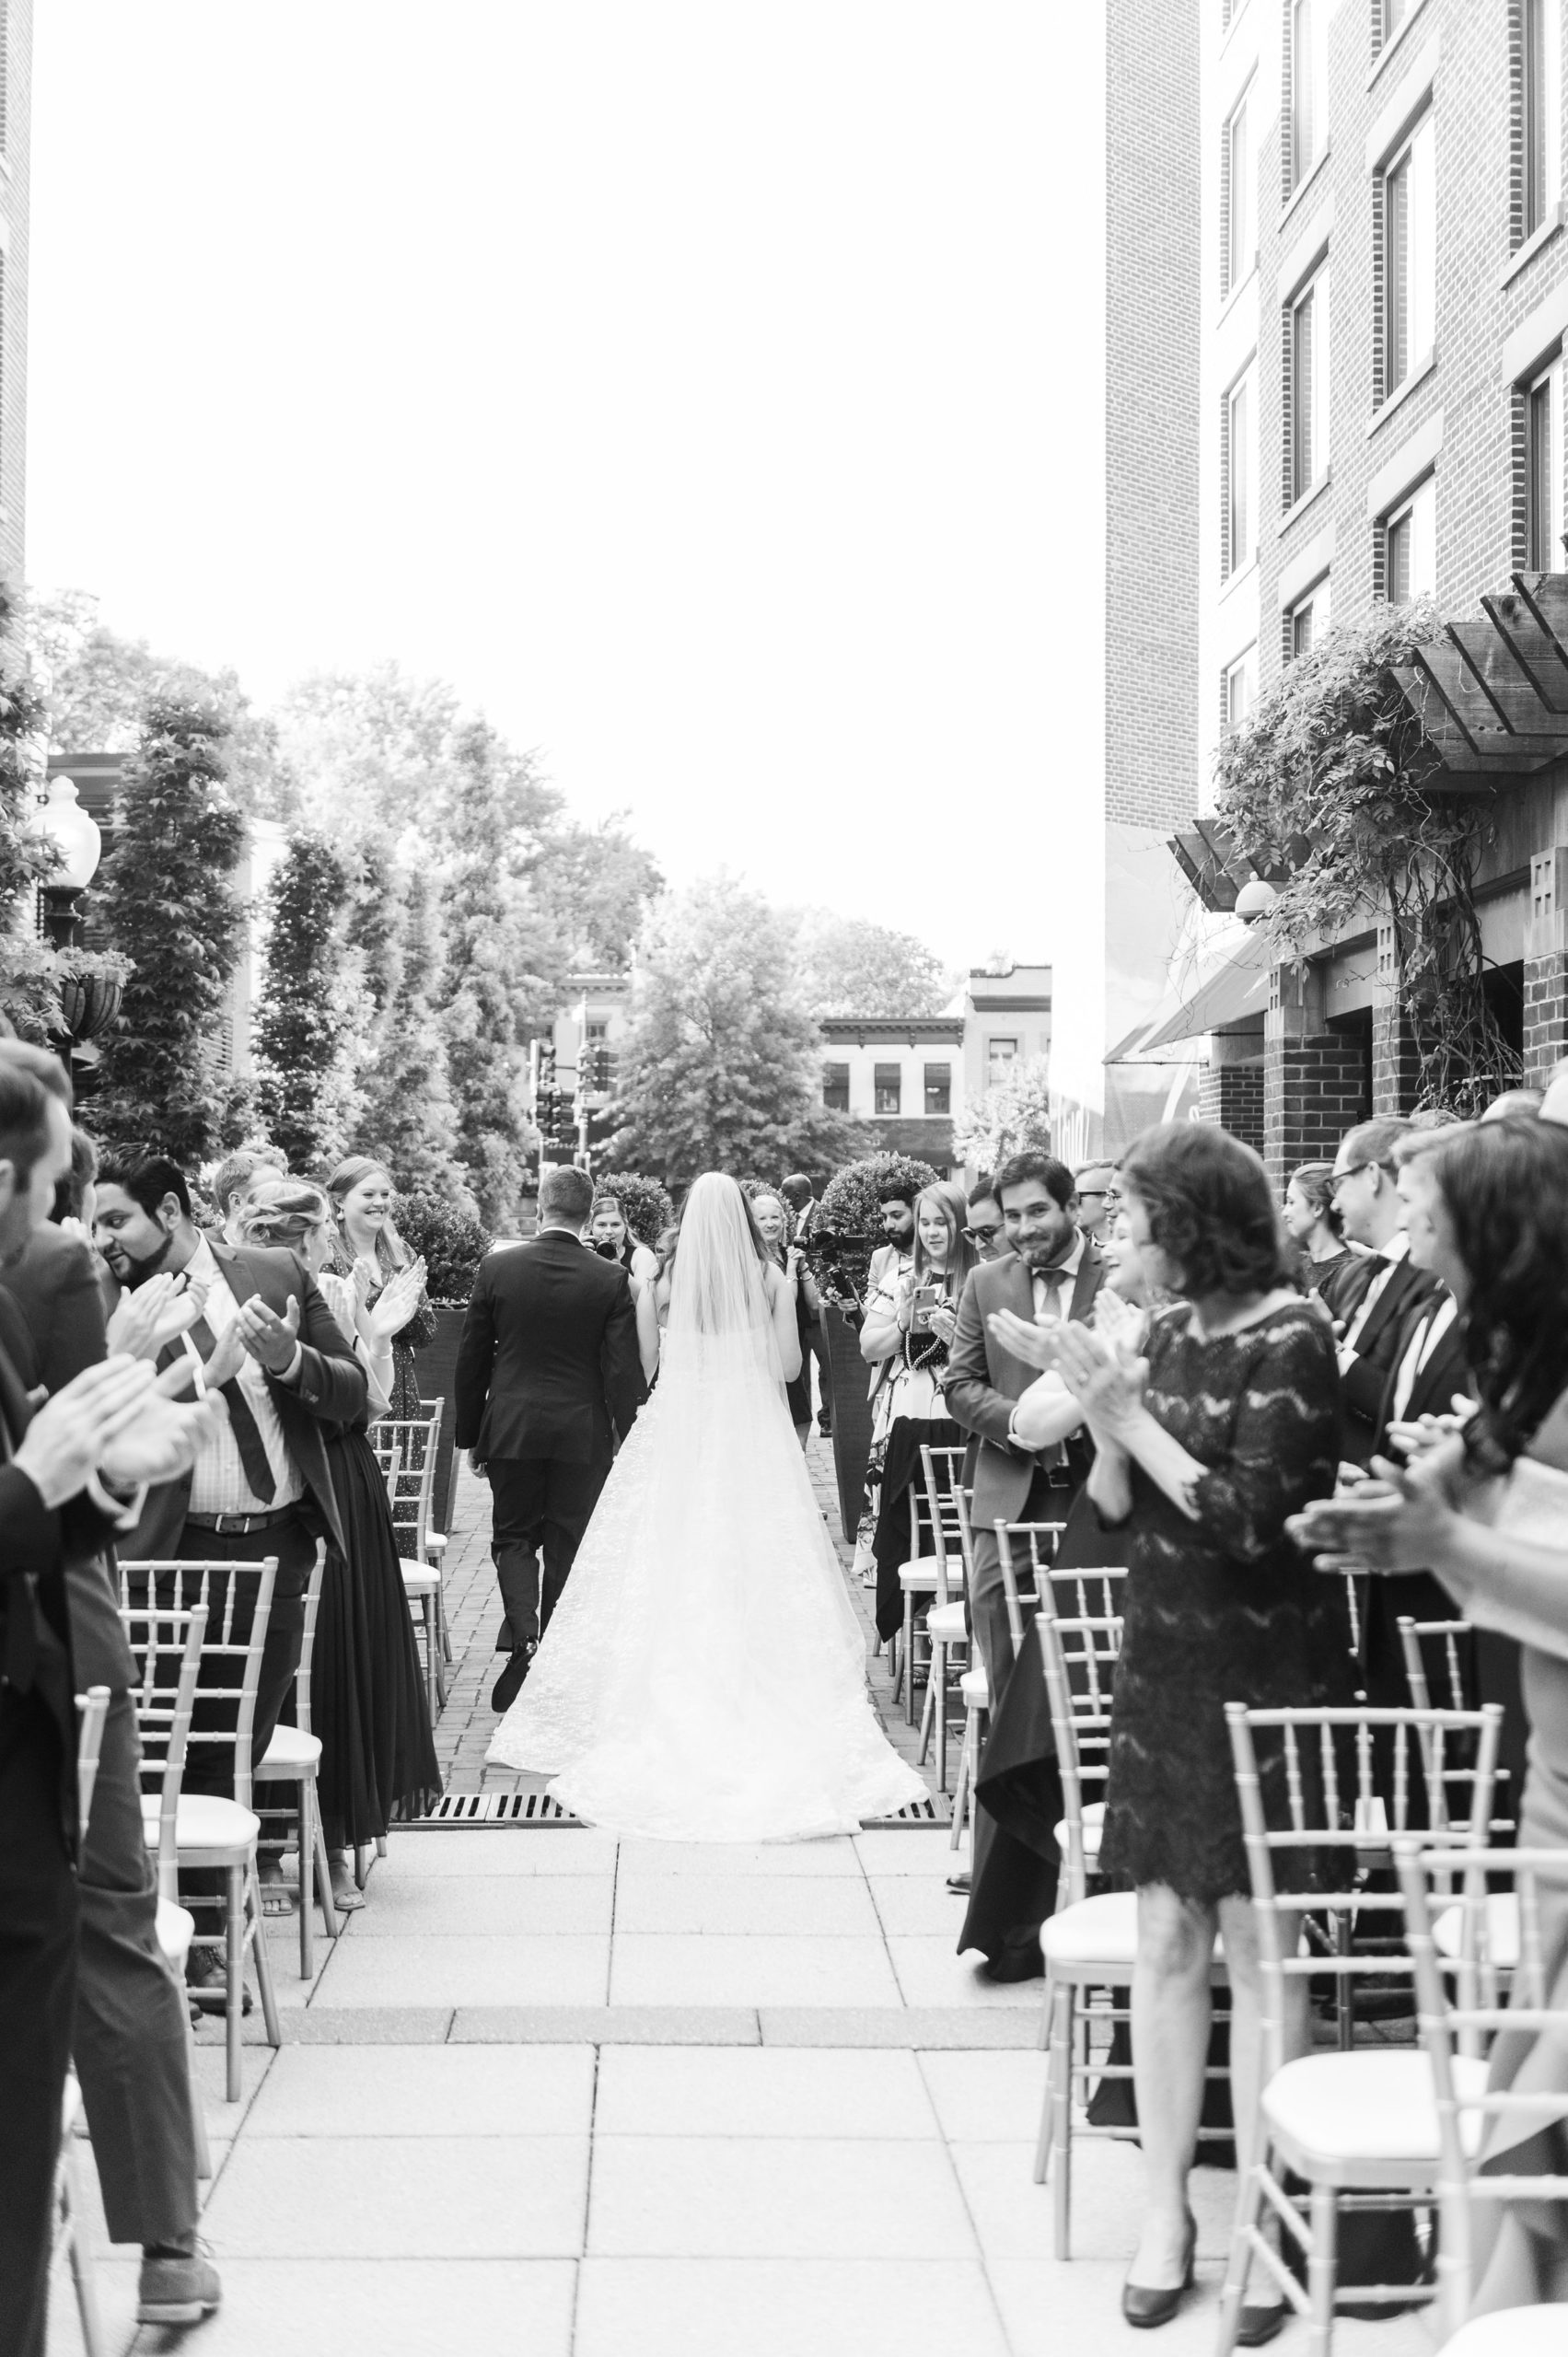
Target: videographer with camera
x=913, y=1343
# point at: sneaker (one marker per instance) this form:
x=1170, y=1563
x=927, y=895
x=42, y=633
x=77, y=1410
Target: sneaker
x=178, y=2290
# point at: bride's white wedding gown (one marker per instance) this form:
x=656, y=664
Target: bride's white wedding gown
x=702, y=1676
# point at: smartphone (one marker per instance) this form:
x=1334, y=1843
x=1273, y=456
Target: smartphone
x=926, y=1299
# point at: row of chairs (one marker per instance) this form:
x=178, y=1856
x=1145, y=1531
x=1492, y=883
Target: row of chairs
x=1378, y=2128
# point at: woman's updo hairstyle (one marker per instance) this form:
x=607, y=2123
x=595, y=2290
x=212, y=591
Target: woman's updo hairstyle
x=280, y=1213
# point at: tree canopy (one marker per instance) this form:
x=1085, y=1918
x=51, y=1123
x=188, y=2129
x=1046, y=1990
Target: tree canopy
x=848, y=966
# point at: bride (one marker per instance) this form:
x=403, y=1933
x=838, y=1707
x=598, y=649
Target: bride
x=701, y=1677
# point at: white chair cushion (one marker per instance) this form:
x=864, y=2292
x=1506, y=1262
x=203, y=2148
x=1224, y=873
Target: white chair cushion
x=206, y=1821
x=1102, y=1930
x=176, y=1930
x=974, y=1689
x=1512, y=2332
x=919, y=1576
x=1375, y=2105
x=1094, y=1825
x=1502, y=1929
x=435, y=1542
x=945, y=1623
x=289, y=1752
x=418, y=1578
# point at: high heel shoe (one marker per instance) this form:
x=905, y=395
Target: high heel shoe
x=1146, y=2308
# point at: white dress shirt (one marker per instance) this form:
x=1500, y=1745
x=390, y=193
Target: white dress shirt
x=217, y=1483
x=1052, y=1291
x=1418, y=1349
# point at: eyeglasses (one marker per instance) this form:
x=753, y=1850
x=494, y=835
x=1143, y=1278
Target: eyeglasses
x=983, y=1235
x=1094, y=1194
x=1337, y=1179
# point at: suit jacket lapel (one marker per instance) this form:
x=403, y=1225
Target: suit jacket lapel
x=1392, y=1302
x=234, y=1270
x=14, y=1408
x=1086, y=1283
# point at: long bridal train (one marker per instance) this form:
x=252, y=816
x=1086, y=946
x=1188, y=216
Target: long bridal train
x=703, y=1676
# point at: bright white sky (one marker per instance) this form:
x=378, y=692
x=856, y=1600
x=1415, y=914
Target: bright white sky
x=710, y=390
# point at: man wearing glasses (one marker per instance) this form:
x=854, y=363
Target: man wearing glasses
x=1373, y=1215
x=986, y=1231
x=1096, y=1182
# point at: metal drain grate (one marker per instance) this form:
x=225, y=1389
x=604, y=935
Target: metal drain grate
x=538, y=1809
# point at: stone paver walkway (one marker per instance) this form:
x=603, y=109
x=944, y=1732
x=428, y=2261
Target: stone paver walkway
x=552, y=2095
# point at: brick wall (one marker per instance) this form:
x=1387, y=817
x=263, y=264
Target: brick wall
x=1152, y=423
x=1312, y=1095
x=1231, y=1097
x=1546, y=1017
x=16, y=17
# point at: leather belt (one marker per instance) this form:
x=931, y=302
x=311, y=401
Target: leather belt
x=240, y=1524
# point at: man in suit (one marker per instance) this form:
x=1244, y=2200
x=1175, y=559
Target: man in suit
x=1372, y=1213
x=1052, y=1270
x=47, y=1458
x=128, y=2039
x=261, y=1486
x=548, y=1378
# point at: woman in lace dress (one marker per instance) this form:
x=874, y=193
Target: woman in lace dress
x=1226, y=1425
x=1484, y=1505
x=703, y=1676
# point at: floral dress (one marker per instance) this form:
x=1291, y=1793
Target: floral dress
x=1225, y=1608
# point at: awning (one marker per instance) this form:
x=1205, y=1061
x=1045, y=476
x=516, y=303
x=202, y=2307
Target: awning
x=1216, y=1000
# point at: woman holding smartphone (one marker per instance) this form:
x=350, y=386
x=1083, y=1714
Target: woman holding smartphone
x=911, y=1410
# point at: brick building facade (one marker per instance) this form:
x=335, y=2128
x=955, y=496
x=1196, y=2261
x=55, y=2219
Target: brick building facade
x=16, y=132
x=1385, y=270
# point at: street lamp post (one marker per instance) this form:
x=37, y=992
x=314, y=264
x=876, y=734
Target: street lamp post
x=63, y=821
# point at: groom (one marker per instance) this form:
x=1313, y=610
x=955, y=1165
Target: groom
x=548, y=1378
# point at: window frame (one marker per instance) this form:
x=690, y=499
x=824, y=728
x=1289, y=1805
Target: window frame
x=831, y=1085
x=1537, y=117
x=1314, y=608
x=997, y=1070
x=1403, y=513
x=1238, y=552
x=1313, y=291
x=1299, y=168
x=1242, y=669
x=1406, y=270
x=1237, y=261
x=938, y=1080
x=1542, y=468
x=882, y=1086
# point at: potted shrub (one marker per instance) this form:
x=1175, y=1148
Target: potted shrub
x=453, y=1245
x=844, y=1232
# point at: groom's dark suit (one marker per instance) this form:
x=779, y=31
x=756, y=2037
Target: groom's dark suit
x=548, y=1376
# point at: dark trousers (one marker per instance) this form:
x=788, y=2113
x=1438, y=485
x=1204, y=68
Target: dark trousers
x=539, y=1507
x=209, y=1767
x=1046, y=1501
x=37, y=1985
x=816, y=1346
x=130, y=2037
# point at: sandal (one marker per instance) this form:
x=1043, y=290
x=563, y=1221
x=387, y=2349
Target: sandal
x=279, y=1898
x=346, y=1895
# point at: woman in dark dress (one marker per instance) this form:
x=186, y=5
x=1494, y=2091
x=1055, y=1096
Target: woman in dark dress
x=368, y=1697
x=1225, y=1427
x=1329, y=1266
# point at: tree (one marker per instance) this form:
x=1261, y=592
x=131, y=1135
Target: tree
x=374, y=750
x=721, y=1069
x=100, y=685
x=409, y=1116
x=313, y=1004
x=501, y=961
x=29, y=969
x=168, y=903
x=600, y=885
x=1012, y=1117
x=850, y=966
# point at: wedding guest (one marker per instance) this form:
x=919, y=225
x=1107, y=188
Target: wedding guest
x=368, y=1702
x=776, y=1228
x=801, y=1198
x=891, y=1263
x=365, y=1237
x=231, y=1183
x=613, y=1240
x=1052, y=1270
x=985, y=1228
x=1485, y=1507
x=924, y=1319
x=1372, y=1214
x=1091, y=1184
x=1328, y=1266
x=1224, y=1427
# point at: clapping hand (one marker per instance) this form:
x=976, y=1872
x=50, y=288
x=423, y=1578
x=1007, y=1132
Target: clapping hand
x=1035, y=1344
x=1396, y=1520
x=944, y=1325
x=1107, y=1378
x=144, y=1322
x=1429, y=1433
x=364, y=1276
x=67, y=1438
x=272, y=1341
x=398, y=1299
x=161, y=1440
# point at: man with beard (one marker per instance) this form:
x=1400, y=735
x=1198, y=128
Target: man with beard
x=1052, y=1270
x=271, y=1351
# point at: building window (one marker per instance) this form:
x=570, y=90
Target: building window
x=1538, y=109
x=1409, y=547
x=1001, y=1055
x=1308, y=109
x=1393, y=13
x=1238, y=690
x=889, y=1086
x=1307, y=620
x=1238, y=468
x=1308, y=356
x=1543, y=472
x=1239, y=236
x=1409, y=256
x=938, y=1088
x=835, y=1088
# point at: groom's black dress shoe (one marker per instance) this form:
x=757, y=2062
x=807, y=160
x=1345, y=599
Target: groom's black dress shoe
x=509, y=1685
x=1019, y=1959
